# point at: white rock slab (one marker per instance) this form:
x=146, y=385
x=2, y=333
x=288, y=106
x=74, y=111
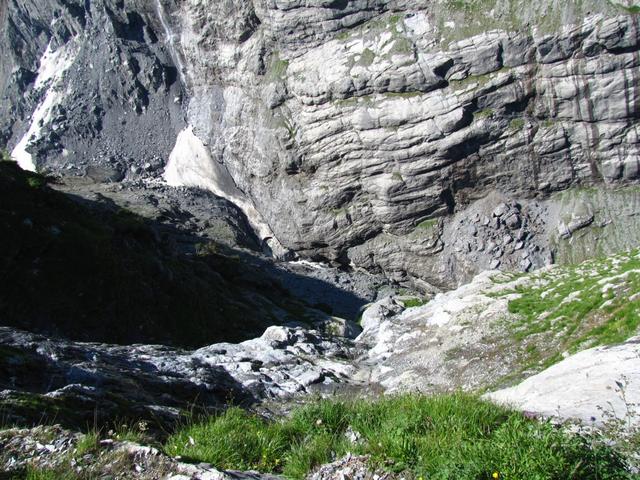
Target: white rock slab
x=583, y=384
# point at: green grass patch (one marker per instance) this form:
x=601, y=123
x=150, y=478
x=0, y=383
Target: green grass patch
x=367, y=58
x=34, y=473
x=35, y=180
x=403, y=94
x=428, y=223
x=279, y=67
x=485, y=113
x=593, y=303
x=516, y=124
x=479, y=80
x=401, y=46
x=440, y=437
x=415, y=302
x=363, y=101
x=629, y=8
x=469, y=6
x=89, y=443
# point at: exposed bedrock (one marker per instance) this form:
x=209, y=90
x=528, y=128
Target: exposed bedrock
x=370, y=133
x=73, y=382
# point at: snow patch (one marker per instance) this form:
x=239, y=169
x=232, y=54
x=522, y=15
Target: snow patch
x=310, y=264
x=53, y=65
x=191, y=165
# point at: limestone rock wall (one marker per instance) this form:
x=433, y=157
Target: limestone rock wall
x=355, y=131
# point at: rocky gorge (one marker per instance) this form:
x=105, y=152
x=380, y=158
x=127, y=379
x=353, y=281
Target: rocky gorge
x=257, y=204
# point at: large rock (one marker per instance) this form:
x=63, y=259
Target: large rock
x=595, y=386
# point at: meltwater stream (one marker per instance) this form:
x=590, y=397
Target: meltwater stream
x=171, y=40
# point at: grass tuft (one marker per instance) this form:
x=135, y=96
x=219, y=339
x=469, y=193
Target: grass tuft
x=440, y=437
x=89, y=443
x=427, y=224
x=516, y=124
x=415, y=302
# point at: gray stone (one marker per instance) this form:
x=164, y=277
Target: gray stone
x=580, y=222
x=501, y=210
x=156, y=382
x=352, y=467
x=512, y=221
x=338, y=327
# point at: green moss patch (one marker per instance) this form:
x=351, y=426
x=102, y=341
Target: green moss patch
x=278, y=67
x=414, y=302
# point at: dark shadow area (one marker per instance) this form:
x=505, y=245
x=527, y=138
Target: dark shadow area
x=339, y=4
x=91, y=271
x=132, y=29
x=321, y=295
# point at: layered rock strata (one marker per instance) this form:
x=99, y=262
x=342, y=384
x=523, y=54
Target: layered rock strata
x=339, y=128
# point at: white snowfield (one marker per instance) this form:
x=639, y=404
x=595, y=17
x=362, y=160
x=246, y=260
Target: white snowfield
x=582, y=385
x=53, y=65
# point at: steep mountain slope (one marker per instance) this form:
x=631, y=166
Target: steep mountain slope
x=93, y=271
x=421, y=156
x=344, y=130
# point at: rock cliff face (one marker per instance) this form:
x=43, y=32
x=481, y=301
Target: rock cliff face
x=424, y=140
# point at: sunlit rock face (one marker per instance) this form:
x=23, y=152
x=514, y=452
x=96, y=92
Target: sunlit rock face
x=421, y=139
